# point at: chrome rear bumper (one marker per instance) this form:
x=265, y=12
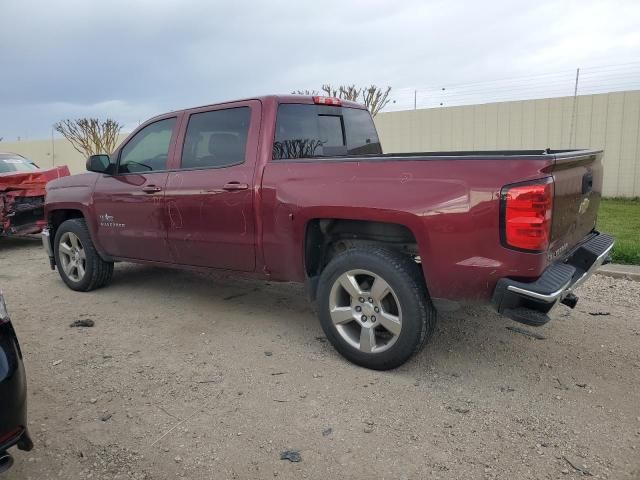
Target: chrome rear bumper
x=531, y=302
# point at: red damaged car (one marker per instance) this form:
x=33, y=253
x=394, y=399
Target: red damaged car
x=22, y=192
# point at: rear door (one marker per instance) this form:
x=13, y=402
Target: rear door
x=577, y=190
x=210, y=196
x=132, y=220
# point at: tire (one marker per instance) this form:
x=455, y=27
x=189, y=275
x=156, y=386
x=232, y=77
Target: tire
x=397, y=323
x=73, y=246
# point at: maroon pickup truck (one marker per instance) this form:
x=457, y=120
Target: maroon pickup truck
x=295, y=188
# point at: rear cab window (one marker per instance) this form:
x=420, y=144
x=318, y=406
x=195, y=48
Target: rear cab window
x=315, y=131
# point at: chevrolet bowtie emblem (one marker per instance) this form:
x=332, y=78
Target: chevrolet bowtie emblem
x=584, y=205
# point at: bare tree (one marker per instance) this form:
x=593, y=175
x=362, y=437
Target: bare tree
x=90, y=136
x=296, y=148
x=350, y=92
x=373, y=97
x=305, y=92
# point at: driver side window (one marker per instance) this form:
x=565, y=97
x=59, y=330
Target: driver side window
x=148, y=150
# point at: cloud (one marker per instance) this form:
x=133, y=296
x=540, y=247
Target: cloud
x=136, y=58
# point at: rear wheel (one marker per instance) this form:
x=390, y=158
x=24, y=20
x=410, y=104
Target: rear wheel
x=374, y=307
x=79, y=264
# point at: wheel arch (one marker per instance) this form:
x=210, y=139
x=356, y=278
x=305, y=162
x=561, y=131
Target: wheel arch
x=324, y=238
x=57, y=216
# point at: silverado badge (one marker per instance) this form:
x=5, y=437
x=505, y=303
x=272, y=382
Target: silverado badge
x=107, y=220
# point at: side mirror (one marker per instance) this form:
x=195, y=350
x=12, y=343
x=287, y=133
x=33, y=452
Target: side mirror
x=98, y=163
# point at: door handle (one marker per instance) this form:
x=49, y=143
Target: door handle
x=235, y=186
x=151, y=189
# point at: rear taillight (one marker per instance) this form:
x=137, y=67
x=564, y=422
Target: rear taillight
x=526, y=215
x=326, y=100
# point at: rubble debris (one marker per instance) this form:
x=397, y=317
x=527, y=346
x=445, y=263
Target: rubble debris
x=599, y=314
x=560, y=386
x=327, y=431
x=82, y=323
x=291, y=455
x=236, y=295
x=578, y=468
x=527, y=333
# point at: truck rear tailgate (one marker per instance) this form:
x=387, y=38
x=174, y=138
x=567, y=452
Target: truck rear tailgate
x=578, y=185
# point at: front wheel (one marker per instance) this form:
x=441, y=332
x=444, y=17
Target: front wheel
x=374, y=307
x=79, y=264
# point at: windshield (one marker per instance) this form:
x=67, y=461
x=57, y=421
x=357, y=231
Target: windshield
x=14, y=163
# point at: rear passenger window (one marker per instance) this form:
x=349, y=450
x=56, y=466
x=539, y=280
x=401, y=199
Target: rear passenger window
x=307, y=131
x=216, y=139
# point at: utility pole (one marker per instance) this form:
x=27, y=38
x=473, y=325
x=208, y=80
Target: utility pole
x=415, y=98
x=574, y=112
x=53, y=150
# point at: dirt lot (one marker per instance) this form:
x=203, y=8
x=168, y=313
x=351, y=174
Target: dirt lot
x=202, y=376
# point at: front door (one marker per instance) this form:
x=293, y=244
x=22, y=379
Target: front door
x=210, y=196
x=130, y=205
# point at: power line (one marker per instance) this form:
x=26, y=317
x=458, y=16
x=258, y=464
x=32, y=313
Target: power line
x=567, y=73
x=598, y=79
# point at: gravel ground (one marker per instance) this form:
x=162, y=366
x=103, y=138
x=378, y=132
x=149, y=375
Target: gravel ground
x=187, y=375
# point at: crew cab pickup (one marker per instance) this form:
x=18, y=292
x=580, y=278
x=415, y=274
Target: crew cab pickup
x=296, y=188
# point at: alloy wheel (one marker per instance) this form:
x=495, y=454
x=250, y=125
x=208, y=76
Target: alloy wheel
x=72, y=256
x=365, y=311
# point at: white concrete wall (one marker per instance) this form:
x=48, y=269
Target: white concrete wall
x=609, y=121
x=48, y=153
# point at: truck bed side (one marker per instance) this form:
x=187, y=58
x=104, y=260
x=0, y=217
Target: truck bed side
x=451, y=206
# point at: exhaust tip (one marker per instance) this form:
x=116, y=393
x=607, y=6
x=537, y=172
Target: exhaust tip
x=6, y=461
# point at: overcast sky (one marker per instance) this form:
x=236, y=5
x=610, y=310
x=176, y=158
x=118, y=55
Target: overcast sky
x=132, y=59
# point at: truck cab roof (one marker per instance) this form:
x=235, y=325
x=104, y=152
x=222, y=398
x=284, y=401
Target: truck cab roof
x=274, y=99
